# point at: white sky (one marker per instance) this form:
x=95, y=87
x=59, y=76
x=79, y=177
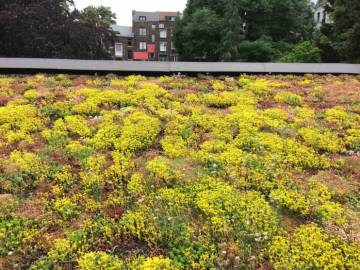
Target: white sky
x=123, y=8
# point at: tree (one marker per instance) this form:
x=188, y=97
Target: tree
x=49, y=29
x=243, y=21
x=234, y=33
x=197, y=38
x=346, y=16
x=304, y=52
x=100, y=15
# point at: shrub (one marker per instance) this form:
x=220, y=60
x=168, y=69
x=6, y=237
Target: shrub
x=63, y=80
x=311, y=248
x=18, y=122
x=121, y=168
x=136, y=185
x=32, y=95
x=160, y=169
x=259, y=87
x=304, y=52
x=99, y=261
x=22, y=171
x=13, y=231
x=77, y=125
x=141, y=223
x=352, y=139
x=289, y=98
x=156, y=263
x=138, y=133
x=96, y=83
x=219, y=86
x=61, y=251
x=66, y=208
x=322, y=139
x=221, y=100
x=58, y=135
x=292, y=200
x=91, y=176
x=217, y=199
x=339, y=118
x=174, y=146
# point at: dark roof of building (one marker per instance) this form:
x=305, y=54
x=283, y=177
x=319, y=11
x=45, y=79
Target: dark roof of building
x=123, y=31
x=153, y=16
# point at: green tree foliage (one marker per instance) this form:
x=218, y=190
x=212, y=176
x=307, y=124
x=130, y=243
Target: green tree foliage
x=52, y=29
x=101, y=15
x=347, y=29
x=241, y=30
x=198, y=36
x=304, y=52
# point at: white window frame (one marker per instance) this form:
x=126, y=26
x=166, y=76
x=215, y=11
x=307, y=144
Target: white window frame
x=142, y=18
x=119, y=49
x=163, y=46
x=142, y=46
x=142, y=31
x=163, y=34
x=153, y=26
x=161, y=25
x=153, y=38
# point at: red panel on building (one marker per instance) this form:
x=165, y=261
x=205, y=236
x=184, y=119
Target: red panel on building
x=151, y=48
x=140, y=55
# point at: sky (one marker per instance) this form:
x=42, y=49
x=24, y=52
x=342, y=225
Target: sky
x=123, y=8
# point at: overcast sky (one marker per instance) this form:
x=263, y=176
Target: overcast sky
x=123, y=8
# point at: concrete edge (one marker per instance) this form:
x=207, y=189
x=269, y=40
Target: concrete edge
x=34, y=64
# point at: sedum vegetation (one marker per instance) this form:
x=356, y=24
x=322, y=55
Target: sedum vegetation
x=256, y=172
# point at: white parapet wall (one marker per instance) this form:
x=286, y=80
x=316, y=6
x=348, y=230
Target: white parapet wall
x=69, y=65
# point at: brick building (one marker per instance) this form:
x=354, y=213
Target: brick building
x=148, y=39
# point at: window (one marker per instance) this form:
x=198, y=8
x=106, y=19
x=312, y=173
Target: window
x=142, y=18
x=163, y=46
x=162, y=58
x=163, y=33
x=153, y=38
x=170, y=18
x=318, y=16
x=129, y=42
x=161, y=26
x=142, y=31
x=153, y=27
x=324, y=17
x=142, y=46
x=119, y=50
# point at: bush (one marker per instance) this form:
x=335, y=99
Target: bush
x=174, y=146
x=304, y=52
x=339, y=118
x=289, y=98
x=160, y=169
x=156, y=263
x=221, y=100
x=99, y=261
x=138, y=133
x=322, y=139
x=66, y=208
x=311, y=248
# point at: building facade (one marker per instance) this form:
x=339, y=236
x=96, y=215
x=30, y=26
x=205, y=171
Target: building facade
x=148, y=39
x=320, y=15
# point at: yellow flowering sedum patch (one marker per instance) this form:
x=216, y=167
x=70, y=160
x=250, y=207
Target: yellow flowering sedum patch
x=179, y=173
